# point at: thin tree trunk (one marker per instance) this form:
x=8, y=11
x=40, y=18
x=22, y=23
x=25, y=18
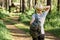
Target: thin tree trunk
x=26, y=5
x=49, y=3
x=30, y=4
x=35, y=2
x=58, y=6
x=20, y=5
x=7, y=4
x=23, y=6
x=3, y=3
x=10, y=2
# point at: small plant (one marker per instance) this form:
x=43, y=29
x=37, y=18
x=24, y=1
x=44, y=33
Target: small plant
x=25, y=17
x=3, y=14
x=4, y=33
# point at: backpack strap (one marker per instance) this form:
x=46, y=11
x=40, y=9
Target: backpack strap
x=36, y=18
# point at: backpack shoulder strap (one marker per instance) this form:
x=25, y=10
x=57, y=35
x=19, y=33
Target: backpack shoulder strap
x=36, y=17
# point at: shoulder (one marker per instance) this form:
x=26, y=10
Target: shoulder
x=33, y=14
x=46, y=12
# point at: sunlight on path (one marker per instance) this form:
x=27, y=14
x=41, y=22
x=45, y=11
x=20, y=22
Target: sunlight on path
x=20, y=35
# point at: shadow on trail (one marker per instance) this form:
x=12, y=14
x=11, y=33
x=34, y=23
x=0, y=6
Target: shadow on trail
x=19, y=33
x=21, y=36
x=22, y=32
x=16, y=31
x=53, y=33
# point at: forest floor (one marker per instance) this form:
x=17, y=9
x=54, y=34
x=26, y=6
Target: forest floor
x=18, y=34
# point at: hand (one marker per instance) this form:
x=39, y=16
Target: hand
x=47, y=8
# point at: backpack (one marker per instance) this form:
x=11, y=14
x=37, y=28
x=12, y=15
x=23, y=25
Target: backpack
x=36, y=23
x=35, y=27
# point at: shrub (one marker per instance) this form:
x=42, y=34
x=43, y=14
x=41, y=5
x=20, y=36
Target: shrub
x=52, y=23
x=4, y=33
x=3, y=14
x=26, y=17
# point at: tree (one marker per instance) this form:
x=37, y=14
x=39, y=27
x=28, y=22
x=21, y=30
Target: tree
x=26, y=7
x=3, y=3
x=20, y=5
x=49, y=3
x=10, y=2
x=23, y=6
x=30, y=4
x=58, y=5
x=35, y=2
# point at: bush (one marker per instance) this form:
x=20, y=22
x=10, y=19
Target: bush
x=3, y=14
x=4, y=33
x=52, y=23
x=26, y=17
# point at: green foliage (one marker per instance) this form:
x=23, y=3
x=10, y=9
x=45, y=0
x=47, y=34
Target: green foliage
x=52, y=23
x=16, y=0
x=23, y=27
x=3, y=14
x=30, y=12
x=4, y=33
x=26, y=17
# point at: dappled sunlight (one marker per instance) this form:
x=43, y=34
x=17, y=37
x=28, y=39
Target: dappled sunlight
x=22, y=25
x=17, y=14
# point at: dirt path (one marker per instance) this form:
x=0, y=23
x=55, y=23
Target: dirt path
x=17, y=33
x=20, y=35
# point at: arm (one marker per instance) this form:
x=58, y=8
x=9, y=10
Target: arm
x=32, y=21
x=47, y=8
x=33, y=18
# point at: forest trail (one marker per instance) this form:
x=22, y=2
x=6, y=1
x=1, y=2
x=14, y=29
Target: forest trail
x=21, y=35
x=18, y=34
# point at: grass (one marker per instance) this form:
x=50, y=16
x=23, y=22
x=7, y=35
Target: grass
x=23, y=27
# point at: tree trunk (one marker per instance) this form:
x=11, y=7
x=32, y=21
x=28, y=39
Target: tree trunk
x=10, y=2
x=23, y=6
x=3, y=3
x=26, y=7
x=7, y=4
x=20, y=5
x=30, y=4
x=58, y=6
x=49, y=3
x=35, y=2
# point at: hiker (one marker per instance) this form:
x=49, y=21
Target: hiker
x=36, y=25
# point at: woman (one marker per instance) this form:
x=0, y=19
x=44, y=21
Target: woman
x=41, y=17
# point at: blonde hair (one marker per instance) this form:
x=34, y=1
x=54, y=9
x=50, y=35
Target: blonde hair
x=38, y=6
